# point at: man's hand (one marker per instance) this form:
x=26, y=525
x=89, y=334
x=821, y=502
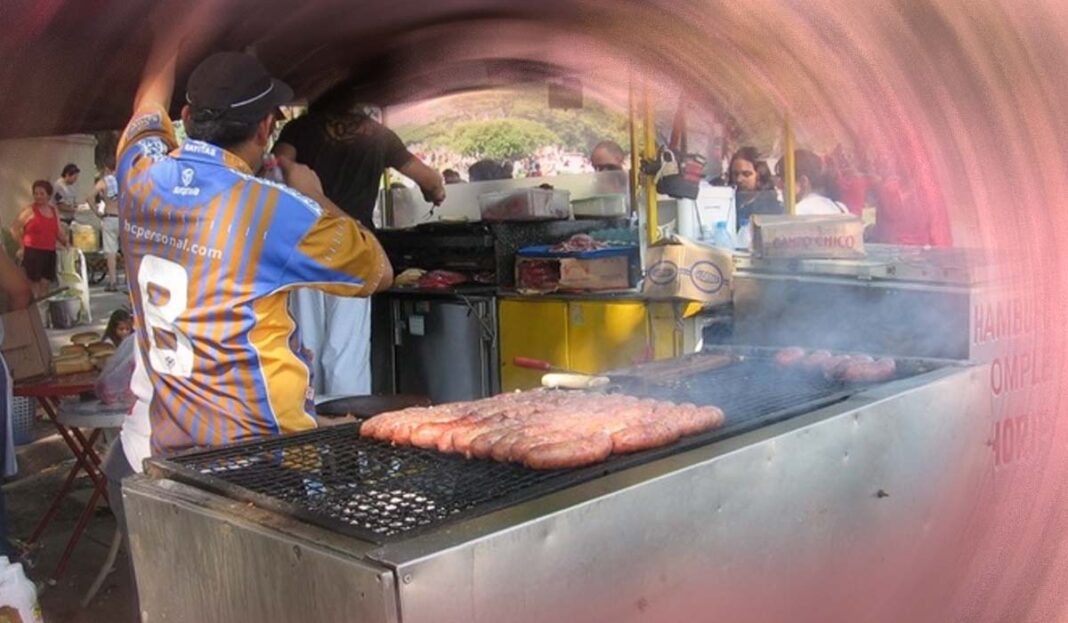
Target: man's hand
x=189, y=25
x=435, y=195
x=301, y=178
x=429, y=180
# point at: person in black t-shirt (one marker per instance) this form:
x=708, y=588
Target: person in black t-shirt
x=348, y=151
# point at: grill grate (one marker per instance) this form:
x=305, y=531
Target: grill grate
x=748, y=391
x=368, y=489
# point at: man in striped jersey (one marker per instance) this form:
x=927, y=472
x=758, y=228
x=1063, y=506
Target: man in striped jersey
x=212, y=252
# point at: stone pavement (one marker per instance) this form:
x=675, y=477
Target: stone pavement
x=43, y=465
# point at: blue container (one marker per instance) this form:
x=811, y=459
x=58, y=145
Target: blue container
x=23, y=414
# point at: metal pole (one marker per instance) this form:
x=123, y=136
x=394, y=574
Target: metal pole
x=789, y=170
x=650, y=154
x=387, y=193
x=635, y=158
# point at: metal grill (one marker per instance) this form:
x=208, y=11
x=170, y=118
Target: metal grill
x=376, y=492
x=751, y=393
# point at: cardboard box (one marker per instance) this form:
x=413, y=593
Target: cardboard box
x=572, y=273
x=834, y=236
x=26, y=348
x=680, y=268
x=605, y=273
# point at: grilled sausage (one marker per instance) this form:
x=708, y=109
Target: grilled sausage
x=398, y=426
x=427, y=435
x=502, y=449
x=699, y=419
x=372, y=425
x=789, y=356
x=482, y=446
x=544, y=429
x=815, y=360
x=568, y=454
x=462, y=436
x=884, y=369
x=644, y=437
x=871, y=371
x=834, y=365
x=461, y=429
x=522, y=446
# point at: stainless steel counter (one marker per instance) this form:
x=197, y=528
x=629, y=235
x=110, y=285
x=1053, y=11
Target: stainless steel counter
x=850, y=501
x=888, y=263
x=901, y=301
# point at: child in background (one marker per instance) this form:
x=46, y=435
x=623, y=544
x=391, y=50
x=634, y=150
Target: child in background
x=119, y=326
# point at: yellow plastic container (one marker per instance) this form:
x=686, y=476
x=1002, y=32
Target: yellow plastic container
x=85, y=237
x=531, y=328
x=583, y=335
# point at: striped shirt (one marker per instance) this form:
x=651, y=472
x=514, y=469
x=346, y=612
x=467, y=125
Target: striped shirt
x=212, y=253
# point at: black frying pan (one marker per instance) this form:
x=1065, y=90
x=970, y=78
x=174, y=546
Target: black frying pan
x=363, y=407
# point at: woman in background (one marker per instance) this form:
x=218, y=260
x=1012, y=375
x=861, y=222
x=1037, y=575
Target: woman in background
x=37, y=231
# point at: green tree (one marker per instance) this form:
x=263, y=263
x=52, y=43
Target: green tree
x=576, y=130
x=501, y=139
x=433, y=134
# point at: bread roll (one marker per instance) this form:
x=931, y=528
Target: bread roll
x=86, y=337
x=101, y=348
x=84, y=354
x=72, y=365
x=71, y=349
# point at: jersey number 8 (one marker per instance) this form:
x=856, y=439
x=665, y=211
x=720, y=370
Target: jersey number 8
x=164, y=289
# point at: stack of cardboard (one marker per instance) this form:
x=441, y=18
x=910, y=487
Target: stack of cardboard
x=26, y=349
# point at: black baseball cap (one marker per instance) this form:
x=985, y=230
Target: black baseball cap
x=234, y=85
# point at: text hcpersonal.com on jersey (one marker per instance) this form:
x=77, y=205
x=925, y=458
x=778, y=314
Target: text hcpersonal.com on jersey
x=143, y=233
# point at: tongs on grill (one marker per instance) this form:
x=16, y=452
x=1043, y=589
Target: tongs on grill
x=561, y=378
x=663, y=372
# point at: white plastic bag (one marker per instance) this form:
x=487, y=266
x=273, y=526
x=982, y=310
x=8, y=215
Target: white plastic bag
x=18, y=595
x=113, y=384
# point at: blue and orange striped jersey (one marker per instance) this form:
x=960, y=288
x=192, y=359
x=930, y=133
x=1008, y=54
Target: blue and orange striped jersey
x=211, y=252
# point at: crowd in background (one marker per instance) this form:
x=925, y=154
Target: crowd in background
x=837, y=182
x=906, y=212
x=546, y=161
x=44, y=227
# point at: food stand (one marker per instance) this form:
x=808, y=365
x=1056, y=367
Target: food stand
x=808, y=478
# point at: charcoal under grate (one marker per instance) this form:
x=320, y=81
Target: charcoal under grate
x=332, y=478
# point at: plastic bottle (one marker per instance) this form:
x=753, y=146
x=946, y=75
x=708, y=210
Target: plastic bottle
x=722, y=238
x=272, y=170
x=18, y=593
x=745, y=236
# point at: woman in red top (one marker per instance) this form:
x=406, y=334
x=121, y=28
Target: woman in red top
x=37, y=230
